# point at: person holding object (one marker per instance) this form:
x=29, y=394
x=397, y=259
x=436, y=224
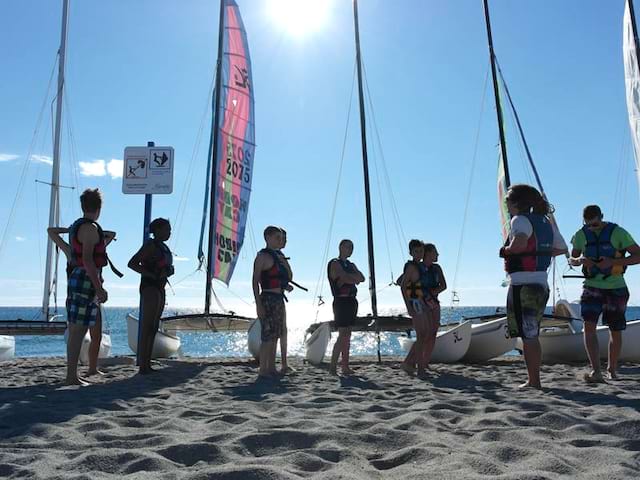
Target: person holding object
x=601, y=249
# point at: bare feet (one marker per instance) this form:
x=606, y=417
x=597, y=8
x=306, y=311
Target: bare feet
x=347, y=371
x=285, y=370
x=594, y=377
x=94, y=372
x=76, y=381
x=612, y=375
x=333, y=370
x=407, y=368
x=422, y=374
x=537, y=386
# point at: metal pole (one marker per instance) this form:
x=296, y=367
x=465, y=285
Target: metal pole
x=496, y=92
x=634, y=28
x=213, y=159
x=148, y=199
x=55, y=170
x=367, y=193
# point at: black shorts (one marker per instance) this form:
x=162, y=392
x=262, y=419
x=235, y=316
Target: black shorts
x=345, y=310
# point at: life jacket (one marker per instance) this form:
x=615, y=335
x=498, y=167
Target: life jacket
x=419, y=288
x=599, y=246
x=537, y=255
x=99, y=249
x=161, y=263
x=430, y=277
x=346, y=289
x=278, y=275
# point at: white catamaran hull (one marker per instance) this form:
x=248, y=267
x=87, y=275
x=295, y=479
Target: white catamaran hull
x=489, y=340
x=254, y=338
x=164, y=345
x=316, y=344
x=105, y=343
x=7, y=347
x=452, y=343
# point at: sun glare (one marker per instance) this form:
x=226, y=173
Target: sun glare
x=300, y=17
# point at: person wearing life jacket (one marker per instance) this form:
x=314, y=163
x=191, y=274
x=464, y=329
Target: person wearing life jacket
x=604, y=250
x=85, y=289
x=533, y=241
x=415, y=294
x=284, y=367
x=343, y=277
x=432, y=283
x=154, y=263
x=271, y=277
x=95, y=332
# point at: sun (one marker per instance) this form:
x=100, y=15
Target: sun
x=300, y=17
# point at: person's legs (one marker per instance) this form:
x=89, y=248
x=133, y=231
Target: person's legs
x=265, y=351
x=614, y=315
x=615, y=346
x=95, y=332
x=591, y=306
x=150, y=300
x=335, y=354
x=74, y=344
x=420, y=326
x=431, y=334
x=346, y=346
x=283, y=349
x=533, y=361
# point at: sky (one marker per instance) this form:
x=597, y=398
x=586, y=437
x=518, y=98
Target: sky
x=142, y=71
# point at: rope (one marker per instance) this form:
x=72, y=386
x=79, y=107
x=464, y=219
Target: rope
x=454, y=294
x=317, y=294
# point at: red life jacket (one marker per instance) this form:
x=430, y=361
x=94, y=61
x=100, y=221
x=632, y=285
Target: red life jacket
x=99, y=250
x=277, y=276
x=347, y=289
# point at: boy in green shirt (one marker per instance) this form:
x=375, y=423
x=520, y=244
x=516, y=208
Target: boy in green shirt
x=600, y=248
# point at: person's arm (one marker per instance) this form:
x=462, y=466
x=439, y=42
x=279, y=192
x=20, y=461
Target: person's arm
x=443, y=282
x=137, y=262
x=89, y=237
x=109, y=236
x=54, y=235
x=518, y=244
x=632, y=259
x=258, y=267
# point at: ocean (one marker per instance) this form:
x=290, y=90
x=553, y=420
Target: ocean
x=219, y=344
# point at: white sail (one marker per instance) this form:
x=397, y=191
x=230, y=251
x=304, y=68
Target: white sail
x=632, y=83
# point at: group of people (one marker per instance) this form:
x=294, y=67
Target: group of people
x=86, y=253
x=603, y=250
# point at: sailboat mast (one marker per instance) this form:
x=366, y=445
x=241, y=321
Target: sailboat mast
x=213, y=159
x=635, y=29
x=55, y=170
x=365, y=164
x=496, y=92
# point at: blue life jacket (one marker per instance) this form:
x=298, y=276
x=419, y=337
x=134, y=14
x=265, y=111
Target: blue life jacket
x=346, y=289
x=537, y=255
x=599, y=246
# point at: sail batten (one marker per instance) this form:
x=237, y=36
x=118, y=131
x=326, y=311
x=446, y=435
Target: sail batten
x=233, y=134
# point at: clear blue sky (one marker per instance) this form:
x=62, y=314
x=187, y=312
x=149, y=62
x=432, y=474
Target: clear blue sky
x=142, y=70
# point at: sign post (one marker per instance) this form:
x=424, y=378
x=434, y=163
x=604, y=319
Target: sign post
x=147, y=170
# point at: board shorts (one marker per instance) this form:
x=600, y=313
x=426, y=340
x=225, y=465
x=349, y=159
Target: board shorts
x=610, y=302
x=272, y=324
x=345, y=310
x=525, y=307
x=82, y=308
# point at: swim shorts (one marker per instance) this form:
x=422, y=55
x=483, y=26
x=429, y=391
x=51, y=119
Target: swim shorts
x=345, y=310
x=274, y=316
x=525, y=307
x=82, y=308
x=610, y=302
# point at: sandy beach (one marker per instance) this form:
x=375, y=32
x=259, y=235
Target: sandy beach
x=211, y=419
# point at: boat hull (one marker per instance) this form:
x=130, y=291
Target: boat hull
x=489, y=340
x=452, y=343
x=254, y=338
x=316, y=344
x=164, y=345
x=7, y=347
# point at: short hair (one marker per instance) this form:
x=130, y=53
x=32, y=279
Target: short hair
x=591, y=211
x=415, y=244
x=343, y=241
x=271, y=230
x=91, y=200
x=157, y=224
x=429, y=247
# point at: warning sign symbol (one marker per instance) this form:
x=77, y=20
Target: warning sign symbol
x=160, y=159
x=136, y=167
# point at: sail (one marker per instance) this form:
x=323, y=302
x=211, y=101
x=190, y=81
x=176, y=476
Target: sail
x=632, y=82
x=505, y=218
x=233, y=167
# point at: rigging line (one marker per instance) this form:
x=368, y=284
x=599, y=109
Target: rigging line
x=184, y=197
x=467, y=200
x=402, y=239
x=73, y=159
x=41, y=262
x=320, y=282
x=27, y=161
x=252, y=235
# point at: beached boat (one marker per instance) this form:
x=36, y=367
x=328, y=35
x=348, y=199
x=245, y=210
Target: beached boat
x=7, y=347
x=227, y=182
x=489, y=339
x=165, y=345
x=254, y=338
x=452, y=343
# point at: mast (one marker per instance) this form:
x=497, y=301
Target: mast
x=496, y=92
x=635, y=30
x=214, y=157
x=55, y=170
x=365, y=164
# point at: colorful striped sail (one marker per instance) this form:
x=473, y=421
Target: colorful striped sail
x=236, y=145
